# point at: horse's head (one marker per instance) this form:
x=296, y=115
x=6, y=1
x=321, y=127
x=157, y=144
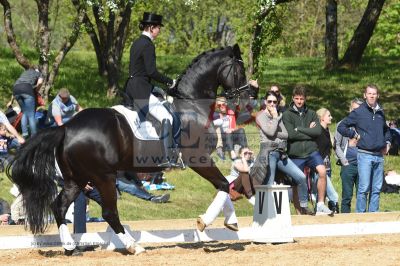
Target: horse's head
x=232, y=77
x=231, y=73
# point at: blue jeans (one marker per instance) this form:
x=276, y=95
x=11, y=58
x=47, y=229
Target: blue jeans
x=80, y=209
x=370, y=178
x=27, y=104
x=312, y=161
x=288, y=167
x=330, y=189
x=133, y=189
x=349, y=175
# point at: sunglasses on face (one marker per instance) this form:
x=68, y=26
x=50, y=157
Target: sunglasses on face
x=271, y=101
x=221, y=105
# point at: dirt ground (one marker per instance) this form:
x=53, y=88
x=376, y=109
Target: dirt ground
x=355, y=250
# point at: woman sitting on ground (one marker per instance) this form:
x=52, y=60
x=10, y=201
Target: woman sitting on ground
x=239, y=179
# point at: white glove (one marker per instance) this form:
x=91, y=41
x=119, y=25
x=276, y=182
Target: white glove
x=173, y=84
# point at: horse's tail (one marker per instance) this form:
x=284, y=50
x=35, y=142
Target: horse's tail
x=33, y=171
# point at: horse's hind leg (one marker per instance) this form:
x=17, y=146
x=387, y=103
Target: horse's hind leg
x=221, y=201
x=60, y=207
x=108, y=194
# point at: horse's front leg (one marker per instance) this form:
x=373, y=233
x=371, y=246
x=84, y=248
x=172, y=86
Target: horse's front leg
x=221, y=201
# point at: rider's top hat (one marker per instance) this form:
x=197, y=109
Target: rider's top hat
x=151, y=18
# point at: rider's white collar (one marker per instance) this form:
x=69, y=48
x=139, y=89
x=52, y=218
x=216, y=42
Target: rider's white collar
x=148, y=35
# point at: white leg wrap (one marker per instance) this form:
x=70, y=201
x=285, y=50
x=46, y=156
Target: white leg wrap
x=229, y=211
x=215, y=208
x=66, y=239
x=126, y=239
x=130, y=244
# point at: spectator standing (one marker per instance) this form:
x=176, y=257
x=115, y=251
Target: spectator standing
x=395, y=132
x=303, y=128
x=275, y=89
x=346, y=151
x=25, y=90
x=368, y=125
x=325, y=146
x=281, y=99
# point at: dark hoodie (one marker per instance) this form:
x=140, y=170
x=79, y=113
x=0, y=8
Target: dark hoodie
x=370, y=124
x=301, y=143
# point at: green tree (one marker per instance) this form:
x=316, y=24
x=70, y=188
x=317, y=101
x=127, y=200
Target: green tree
x=386, y=38
x=106, y=23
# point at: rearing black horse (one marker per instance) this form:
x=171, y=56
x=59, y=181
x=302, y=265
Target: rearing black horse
x=96, y=143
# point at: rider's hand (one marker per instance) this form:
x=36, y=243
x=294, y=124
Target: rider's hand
x=253, y=83
x=88, y=187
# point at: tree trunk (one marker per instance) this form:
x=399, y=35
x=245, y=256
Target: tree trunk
x=109, y=42
x=21, y=59
x=44, y=41
x=331, y=46
x=362, y=35
x=65, y=48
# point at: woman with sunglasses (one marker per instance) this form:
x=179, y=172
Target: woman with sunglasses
x=273, y=138
x=224, y=119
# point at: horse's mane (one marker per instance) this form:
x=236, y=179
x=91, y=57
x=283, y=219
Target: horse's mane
x=194, y=63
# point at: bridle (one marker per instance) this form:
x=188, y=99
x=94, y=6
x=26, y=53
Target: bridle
x=234, y=92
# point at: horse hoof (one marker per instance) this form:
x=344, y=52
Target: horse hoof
x=233, y=227
x=74, y=252
x=200, y=224
x=136, y=249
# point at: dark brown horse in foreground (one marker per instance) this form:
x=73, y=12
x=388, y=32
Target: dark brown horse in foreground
x=96, y=143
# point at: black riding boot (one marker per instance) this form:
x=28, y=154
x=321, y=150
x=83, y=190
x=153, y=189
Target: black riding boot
x=176, y=153
x=170, y=157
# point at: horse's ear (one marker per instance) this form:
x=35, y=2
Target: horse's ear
x=236, y=51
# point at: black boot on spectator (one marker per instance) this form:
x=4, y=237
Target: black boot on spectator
x=333, y=206
x=337, y=207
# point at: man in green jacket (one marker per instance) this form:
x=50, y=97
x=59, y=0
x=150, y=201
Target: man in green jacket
x=303, y=128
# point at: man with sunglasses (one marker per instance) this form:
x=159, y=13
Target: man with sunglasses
x=303, y=129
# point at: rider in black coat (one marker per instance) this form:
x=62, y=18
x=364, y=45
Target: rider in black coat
x=142, y=70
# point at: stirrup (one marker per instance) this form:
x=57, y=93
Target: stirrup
x=166, y=164
x=179, y=162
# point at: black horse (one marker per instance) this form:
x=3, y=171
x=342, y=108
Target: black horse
x=97, y=142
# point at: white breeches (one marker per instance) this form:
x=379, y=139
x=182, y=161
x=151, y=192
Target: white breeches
x=157, y=109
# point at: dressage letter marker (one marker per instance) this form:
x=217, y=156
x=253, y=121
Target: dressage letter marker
x=278, y=206
x=272, y=222
x=260, y=201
